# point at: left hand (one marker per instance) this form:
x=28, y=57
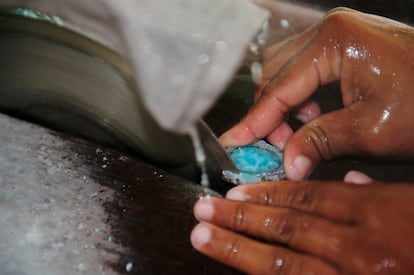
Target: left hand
x=310, y=228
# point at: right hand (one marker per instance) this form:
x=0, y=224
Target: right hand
x=372, y=57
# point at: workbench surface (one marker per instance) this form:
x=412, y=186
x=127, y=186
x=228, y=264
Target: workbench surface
x=72, y=207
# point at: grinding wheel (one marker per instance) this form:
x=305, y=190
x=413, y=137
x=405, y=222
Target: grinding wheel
x=63, y=80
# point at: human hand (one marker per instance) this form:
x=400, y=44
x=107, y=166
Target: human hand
x=372, y=57
x=310, y=228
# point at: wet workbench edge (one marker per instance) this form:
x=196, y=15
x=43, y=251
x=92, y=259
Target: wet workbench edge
x=68, y=206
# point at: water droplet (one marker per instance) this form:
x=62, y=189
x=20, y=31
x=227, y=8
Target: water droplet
x=123, y=158
x=203, y=59
x=221, y=45
x=256, y=70
x=284, y=23
x=268, y=222
x=384, y=265
x=254, y=48
x=354, y=52
x=279, y=262
x=262, y=36
x=129, y=266
x=375, y=69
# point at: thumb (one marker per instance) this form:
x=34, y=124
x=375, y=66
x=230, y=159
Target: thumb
x=323, y=138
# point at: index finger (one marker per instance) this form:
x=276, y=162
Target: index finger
x=316, y=63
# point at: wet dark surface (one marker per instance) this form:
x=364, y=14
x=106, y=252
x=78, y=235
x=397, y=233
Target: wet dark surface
x=151, y=215
x=147, y=213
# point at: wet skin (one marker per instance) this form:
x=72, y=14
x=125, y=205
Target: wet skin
x=324, y=227
x=372, y=57
x=310, y=228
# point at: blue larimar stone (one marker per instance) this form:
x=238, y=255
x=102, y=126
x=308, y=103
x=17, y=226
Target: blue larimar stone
x=33, y=15
x=256, y=162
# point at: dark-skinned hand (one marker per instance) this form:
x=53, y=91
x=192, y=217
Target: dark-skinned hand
x=373, y=59
x=324, y=227
x=303, y=228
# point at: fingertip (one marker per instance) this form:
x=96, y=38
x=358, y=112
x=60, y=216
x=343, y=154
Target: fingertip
x=204, y=209
x=299, y=169
x=307, y=111
x=304, y=118
x=356, y=177
x=237, y=194
x=238, y=135
x=226, y=139
x=201, y=235
x=280, y=135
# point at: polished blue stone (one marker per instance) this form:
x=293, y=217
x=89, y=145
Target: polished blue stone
x=251, y=159
x=256, y=162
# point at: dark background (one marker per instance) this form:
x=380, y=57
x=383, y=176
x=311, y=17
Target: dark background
x=399, y=10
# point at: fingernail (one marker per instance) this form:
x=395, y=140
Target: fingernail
x=356, y=177
x=302, y=118
x=226, y=139
x=237, y=195
x=203, y=209
x=201, y=235
x=300, y=168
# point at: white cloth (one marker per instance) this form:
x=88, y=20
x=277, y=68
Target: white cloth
x=183, y=52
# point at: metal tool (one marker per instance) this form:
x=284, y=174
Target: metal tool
x=216, y=154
